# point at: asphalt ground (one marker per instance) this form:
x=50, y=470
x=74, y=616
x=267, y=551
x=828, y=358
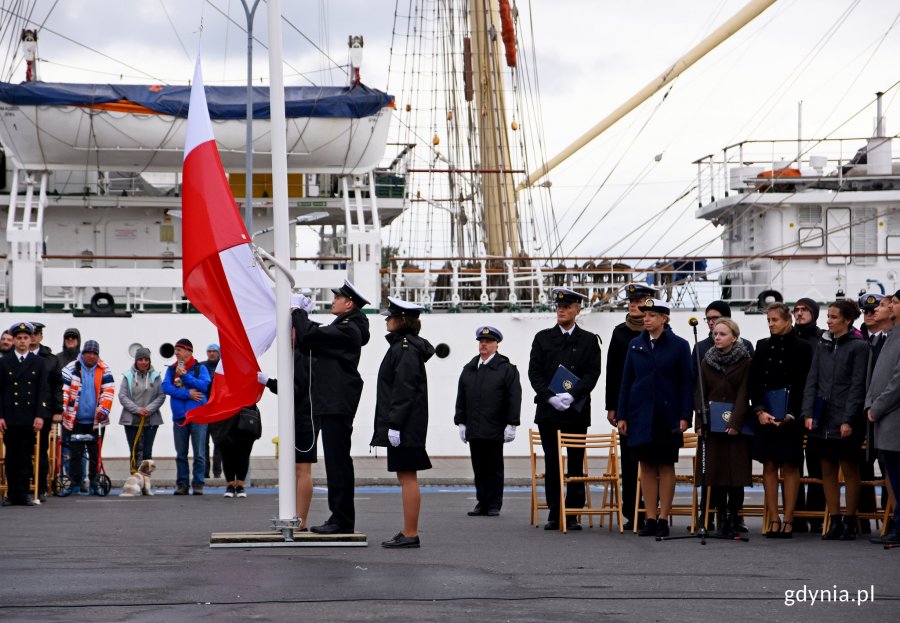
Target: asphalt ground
x=148, y=559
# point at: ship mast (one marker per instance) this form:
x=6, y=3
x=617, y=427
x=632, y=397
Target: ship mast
x=500, y=215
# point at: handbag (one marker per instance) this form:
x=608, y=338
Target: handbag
x=249, y=422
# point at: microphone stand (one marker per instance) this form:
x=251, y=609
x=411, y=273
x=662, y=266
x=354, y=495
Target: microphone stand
x=702, y=533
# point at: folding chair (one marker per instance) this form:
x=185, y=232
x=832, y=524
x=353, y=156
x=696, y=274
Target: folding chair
x=534, y=442
x=690, y=443
x=607, y=445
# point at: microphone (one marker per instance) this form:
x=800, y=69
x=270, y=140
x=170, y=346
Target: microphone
x=693, y=321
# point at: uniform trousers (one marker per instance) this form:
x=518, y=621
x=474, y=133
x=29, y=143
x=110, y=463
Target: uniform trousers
x=487, y=464
x=575, y=496
x=44, y=463
x=629, y=479
x=19, y=442
x=337, y=429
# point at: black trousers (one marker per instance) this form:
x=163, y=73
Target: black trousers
x=236, y=459
x=629, y=479
x=574, y=467
x=815, y=494
x=487, y=464
x=19, y=442
x=336, y=432
x=78, y=448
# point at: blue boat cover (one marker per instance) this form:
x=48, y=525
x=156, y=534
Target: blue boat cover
x=224, y=102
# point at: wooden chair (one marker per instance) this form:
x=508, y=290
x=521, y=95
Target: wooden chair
x=693, y=479
x=534, y=443
x=607, y=446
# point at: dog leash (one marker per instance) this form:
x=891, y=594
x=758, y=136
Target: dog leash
x=134, y=445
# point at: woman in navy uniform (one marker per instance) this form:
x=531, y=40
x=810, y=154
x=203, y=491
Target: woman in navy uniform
x=401, y=411
x=655, y=404
x=488, y=403
x=24, y=411
x=622, y=335
x=565, y=344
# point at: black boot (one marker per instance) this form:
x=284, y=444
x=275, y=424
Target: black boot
x=849, y=528
x=723, y=523
x=835, y=529
x=737, y=524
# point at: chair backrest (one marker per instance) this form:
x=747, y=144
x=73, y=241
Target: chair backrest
x=588, y=441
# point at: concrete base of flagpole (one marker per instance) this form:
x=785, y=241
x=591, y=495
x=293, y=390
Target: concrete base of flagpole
x=277, y=539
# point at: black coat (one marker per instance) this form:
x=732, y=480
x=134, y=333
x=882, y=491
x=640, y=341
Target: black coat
x=332, y=353
x=24, y=390
x=780, y=361
x=809, y=333
x=402, y=394
x=489, y=398
x=615, y=363
x=54, y=377
x=580, y=354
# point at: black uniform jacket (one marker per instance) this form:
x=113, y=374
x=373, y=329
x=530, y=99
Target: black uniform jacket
x=331, y=353
x=615, y=363
x=402, y=396
x=489, y=398
x=24, y=390
x=580, y=354
x=54, y=377
x=780, y=361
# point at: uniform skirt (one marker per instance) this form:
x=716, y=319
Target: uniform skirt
x=835, y=449
x=663, y=446
x=402, y=459
x=306, y=436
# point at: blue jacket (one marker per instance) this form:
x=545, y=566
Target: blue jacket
x=181, y=401
x=655, y=380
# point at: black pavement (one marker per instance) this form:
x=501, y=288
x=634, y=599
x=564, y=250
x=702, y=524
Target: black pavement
x=148, y=559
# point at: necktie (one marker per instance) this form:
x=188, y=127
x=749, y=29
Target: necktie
x=21, y=358
x=652, y=343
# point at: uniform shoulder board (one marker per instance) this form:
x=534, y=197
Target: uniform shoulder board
x=405, y=344
x=345, y=321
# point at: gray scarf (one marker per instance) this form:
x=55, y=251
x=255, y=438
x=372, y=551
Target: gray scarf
x=722, y=361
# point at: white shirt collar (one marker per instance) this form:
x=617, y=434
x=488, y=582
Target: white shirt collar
x=484, y=362
x=569, y=332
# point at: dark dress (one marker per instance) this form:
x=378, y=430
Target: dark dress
x=781, y=361
x=657, y=393
x=402, y=402
x=728, y=456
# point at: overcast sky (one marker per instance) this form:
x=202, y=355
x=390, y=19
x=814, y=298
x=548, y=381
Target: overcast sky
x=592, y=55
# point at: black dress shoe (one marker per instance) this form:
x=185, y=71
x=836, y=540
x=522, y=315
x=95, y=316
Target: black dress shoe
x=475, y=512
x=331, y=528
x=662, y=529
x=629, y=526
x=7, y=502
x=493, y=512
x=400, y=541
x=551, y=525
x=572, y=524
x=27, y=502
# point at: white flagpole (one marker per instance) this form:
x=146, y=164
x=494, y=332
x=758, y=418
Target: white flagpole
x=287, y=490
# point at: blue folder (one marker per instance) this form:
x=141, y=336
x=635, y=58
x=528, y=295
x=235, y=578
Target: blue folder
x=775, y=402
x=720, y=413
x=564, y=382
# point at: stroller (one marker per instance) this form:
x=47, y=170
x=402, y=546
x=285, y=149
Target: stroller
x=73, y=448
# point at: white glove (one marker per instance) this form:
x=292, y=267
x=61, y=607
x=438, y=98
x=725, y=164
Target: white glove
x=262, y=378
x=557, y=403
x=566, y=398
x=394, y=437
x=509, y=433
x=301, y=301
x=462, y=433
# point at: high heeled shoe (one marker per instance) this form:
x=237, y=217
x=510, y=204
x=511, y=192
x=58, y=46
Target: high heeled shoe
x=775, y=528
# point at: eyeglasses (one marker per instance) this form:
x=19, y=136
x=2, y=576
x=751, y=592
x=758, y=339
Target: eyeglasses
x=712, y=318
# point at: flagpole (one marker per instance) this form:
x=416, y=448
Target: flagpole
x=287, y=491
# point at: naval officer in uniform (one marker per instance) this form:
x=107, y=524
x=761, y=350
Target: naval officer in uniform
x=24, y=398
x=565, y=344
x=488, y=402
x=330, y=387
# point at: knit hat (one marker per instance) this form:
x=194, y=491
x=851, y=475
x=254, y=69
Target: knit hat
x=813, y=306
x=185, y=343
x=214, y=347
x=720, y=306
x=142, y=353
x=91, y=346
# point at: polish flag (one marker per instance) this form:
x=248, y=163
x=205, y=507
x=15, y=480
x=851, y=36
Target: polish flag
x=221, y=276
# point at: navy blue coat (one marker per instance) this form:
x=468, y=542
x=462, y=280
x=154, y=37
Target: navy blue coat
x=655, y=380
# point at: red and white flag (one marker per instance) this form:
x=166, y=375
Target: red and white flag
x=221, y=276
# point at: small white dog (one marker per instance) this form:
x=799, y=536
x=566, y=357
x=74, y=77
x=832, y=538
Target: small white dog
x=139, y=482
